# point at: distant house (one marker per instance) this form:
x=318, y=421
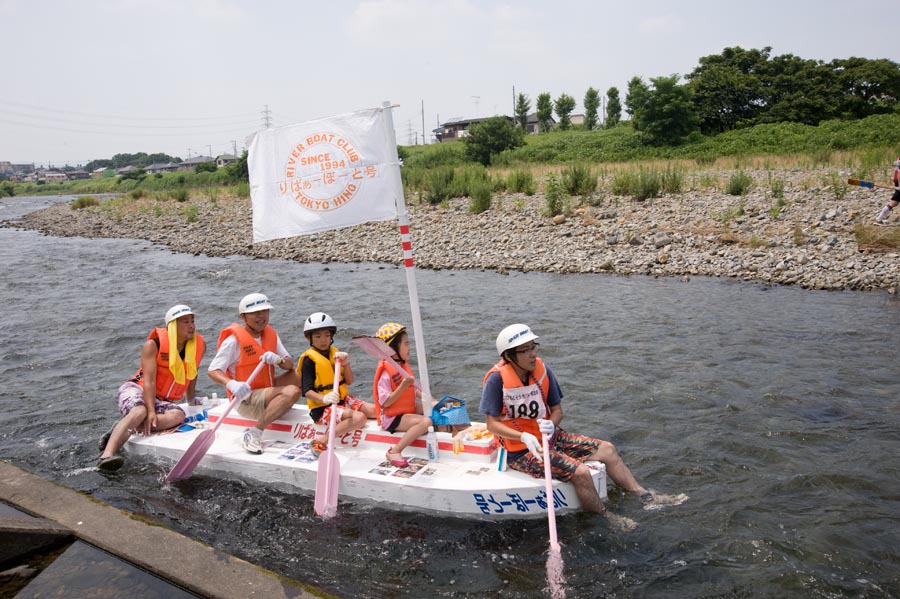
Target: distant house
x=126, y=169
x=191, y=163
x=533, y=126
x=76, y=175
x=103, y=171
x=454, y=130
x=162, y=167
x=225, y=160
x=54, y=177
x=576, y=119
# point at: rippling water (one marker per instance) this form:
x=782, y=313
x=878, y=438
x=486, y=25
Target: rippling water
x=774, y=408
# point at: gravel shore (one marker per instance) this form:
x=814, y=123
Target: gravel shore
x=808, y=241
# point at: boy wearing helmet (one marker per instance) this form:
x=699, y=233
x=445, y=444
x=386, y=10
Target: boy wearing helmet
x=882, y=217
x=521, y=401
x=169, y=361
x=397, y=401
x=242, y=346
x=316, y=370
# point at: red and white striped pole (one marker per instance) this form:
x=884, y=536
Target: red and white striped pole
x=408, y=263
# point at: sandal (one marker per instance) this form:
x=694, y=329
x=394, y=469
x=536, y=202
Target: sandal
x=399, y=462
x=110, y=464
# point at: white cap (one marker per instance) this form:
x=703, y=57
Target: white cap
x=177, y=311
x=513, y=336
x=255, y=302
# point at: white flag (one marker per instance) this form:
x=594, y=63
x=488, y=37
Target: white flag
x=324, y=174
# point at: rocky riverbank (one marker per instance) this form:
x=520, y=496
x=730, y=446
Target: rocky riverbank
x=806, y=238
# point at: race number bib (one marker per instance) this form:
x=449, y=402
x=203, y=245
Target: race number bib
x=524, y=402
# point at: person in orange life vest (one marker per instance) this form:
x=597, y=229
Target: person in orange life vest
x=315, y=367
x=242, y=346
x=398, y=404
x=522, y=401
x=881, y=219
x=169, y=361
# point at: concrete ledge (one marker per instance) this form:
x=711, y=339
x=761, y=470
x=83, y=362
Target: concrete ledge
x=185, y=562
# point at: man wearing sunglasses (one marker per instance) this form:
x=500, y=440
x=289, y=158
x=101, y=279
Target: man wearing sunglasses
x=521, y=401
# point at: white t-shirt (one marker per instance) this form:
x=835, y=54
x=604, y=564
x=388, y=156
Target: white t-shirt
x=229, y=354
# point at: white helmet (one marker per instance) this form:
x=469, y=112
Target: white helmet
x=317, y=321
x=177, y=311
x=513, y=336
x=255, y=302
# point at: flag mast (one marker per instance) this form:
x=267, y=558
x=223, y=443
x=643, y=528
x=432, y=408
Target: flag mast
x=408, y=264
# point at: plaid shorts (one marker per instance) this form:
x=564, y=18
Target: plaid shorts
x=350, y=403
x=567, y=453
x=131, y=395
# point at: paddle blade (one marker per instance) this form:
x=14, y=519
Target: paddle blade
x=328, y=479
x=189, y=460
x=555, y=577
x=868, y=184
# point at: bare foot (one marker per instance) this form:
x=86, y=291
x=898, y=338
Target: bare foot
x=657, y=501
x=620, y=523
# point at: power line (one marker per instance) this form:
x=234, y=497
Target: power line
x=134, y=118
x=129, y=133
x=121, y=125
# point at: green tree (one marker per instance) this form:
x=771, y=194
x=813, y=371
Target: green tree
x=728, y=88
x=636, y=98
x=591, y=104
x=667, y=115
x=237, y=171
x=523, y=105
x=490, y=137
x=564, y=106
x=206, y=167
x=798, y=90
x=613, y=108
x=867, y=87
x=544, y=108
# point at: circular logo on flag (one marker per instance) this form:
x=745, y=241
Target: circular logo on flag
x=324, y=172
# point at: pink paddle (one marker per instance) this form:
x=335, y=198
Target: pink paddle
x=189, y=460
x=377, y=348
x=554, y=560
x=328, y=476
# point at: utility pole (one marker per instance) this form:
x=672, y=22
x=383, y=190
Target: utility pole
x=234, y=148
x=423, y=123
x=477, y=99
x=267, y=117
x=210, y=151
x=514, y=105
x=189, y=153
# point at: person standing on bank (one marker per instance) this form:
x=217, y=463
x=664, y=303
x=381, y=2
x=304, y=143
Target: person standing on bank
x=521, y=401
x=882, y=217
x=242, y=346
x=165, y=376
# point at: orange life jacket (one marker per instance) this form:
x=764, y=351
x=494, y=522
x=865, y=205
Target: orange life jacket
x=250, y=351
x=166, y=387
x=406, y=403
x=523, y=403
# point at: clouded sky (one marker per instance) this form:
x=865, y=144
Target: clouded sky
x=88, y=79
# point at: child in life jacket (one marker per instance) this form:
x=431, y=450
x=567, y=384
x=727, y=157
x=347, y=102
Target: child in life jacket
x=398, y=404
x=323, y=394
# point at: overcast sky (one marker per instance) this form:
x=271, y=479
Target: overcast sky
x=88, y=79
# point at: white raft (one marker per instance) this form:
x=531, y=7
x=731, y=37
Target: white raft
x=467, y=484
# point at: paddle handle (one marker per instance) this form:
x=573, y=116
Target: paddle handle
x=868, y=184
x=236, y=401
x=548, y=482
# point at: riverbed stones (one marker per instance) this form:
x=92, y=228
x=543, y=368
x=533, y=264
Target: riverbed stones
x=805, y=238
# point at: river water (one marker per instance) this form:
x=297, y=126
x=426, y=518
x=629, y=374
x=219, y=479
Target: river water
x=775, y=409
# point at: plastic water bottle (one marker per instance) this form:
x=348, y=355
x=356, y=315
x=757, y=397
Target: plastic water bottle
x=431, y=444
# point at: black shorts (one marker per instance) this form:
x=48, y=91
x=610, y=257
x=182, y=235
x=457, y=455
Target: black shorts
x=394, y=424
x=896, y=197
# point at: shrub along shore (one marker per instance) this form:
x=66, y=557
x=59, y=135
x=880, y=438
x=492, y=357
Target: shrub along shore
x=794, y=226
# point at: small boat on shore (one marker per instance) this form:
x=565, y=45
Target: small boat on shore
x=466, y=482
